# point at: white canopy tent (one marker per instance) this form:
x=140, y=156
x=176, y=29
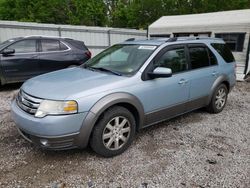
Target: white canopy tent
x=232, y=26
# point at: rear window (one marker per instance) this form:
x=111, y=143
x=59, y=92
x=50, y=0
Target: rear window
x=224, y=51
x=77, y=44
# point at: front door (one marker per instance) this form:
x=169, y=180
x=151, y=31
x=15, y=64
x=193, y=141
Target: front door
x=23, y=64
x=166, y=97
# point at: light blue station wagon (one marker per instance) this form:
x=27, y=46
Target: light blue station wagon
x=125, y=88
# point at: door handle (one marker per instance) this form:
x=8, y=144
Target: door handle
x=183, y=81
x=214, y=73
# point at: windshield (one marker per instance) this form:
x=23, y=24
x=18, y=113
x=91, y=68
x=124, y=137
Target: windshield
x=122, y=58
x=7, y=42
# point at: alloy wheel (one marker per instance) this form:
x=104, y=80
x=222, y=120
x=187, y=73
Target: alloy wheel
x=116, y=133
x=220, y=98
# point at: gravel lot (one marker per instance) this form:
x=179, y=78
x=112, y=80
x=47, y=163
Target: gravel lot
x=195, y=150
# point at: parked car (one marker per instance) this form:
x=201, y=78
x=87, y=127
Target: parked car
x=125, y=88
x=25, y=57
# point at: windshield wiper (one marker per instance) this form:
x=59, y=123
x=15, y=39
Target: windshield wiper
x=107, y=70
x=103, y=69
x=85, y=66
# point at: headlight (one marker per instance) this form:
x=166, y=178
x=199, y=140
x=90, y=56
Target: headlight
x=48, y=107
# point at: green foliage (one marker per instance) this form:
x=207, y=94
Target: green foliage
x=77, y=12
x=115, y=13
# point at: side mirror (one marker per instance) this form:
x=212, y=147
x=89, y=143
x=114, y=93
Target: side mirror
x=8, y=51
x=161, y=72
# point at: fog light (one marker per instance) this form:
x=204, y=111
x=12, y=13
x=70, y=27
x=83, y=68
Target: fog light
x=44, y=142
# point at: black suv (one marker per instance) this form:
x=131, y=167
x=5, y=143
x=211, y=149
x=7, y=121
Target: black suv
x=25, y=57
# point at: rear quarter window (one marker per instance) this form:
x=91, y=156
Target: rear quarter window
x=224, y=51
x=77, y=44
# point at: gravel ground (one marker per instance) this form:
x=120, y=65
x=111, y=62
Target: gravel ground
x=195, y=150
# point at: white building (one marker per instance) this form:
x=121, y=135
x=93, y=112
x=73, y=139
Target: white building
x=232, y=26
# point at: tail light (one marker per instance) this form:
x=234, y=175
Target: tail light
x=88, y=54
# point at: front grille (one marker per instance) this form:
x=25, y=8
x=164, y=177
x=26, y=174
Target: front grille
x=28, y=103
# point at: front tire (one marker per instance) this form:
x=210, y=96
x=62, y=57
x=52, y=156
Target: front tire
x=218, y=100
x=114, y=132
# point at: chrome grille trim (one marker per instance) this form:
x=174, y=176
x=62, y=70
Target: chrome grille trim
x=30, y=98
x=28, y=103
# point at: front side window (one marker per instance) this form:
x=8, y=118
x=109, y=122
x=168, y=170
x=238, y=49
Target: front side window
x=52, y=45
x=198, y=57
x=122, y=58
x=174, y=59
x=24, y=46
x=235, y=41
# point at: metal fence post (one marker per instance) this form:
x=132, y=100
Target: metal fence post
x=109, y=37
x=59, y=31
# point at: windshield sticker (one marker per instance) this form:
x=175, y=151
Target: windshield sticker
x=147, y=47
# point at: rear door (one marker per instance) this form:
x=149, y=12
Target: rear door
x=54, y=55
x=203, y=72
x=23, y=64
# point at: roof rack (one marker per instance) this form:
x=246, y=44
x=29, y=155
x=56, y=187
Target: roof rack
x=189, y=38
x=130, y=39
x=46, y=36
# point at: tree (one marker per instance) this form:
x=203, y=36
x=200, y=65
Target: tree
x=141, y=13
x=115, y=13
x=87, y=12
x=77, y=12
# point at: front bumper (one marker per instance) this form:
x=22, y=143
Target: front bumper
x=54, y=143
x=50, y=132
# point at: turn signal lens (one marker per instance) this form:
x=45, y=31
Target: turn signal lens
x=70, y=106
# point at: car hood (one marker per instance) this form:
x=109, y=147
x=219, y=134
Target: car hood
x=65, y=83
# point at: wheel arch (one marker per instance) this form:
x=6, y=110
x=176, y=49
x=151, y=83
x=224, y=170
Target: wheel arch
x=220, y=80
x=126, y=100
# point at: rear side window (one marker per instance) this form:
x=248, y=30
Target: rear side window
x=198, y=57
x=52, y=45
x=224, y=51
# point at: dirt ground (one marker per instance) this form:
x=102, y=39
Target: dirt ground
x=195, y=150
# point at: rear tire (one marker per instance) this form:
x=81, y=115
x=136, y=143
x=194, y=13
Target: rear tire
x=218, y=100
x=114, y=132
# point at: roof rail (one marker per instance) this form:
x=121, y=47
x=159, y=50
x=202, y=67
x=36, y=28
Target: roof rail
x=46, y=36
x=189, y=38
x=172, y=39
x=130, y=39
